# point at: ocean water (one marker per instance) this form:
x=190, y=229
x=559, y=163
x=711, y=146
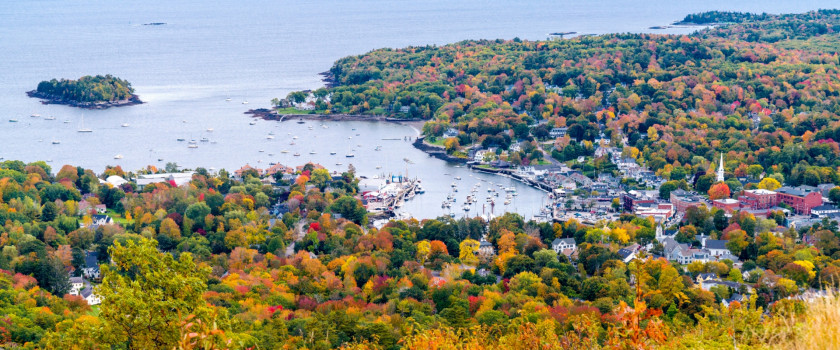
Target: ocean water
x=254, y=51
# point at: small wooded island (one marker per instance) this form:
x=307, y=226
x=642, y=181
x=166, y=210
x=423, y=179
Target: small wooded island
x=95, y=92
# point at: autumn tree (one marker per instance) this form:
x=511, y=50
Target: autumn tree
x=146, y=294
x=769, y=183
x=719, y=191
x=467, y=252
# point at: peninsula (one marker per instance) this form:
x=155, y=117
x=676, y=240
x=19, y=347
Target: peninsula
x=93, y=92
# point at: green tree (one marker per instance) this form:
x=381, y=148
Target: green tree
x=49, y=212
x=197, y=211
x=146, y=294
x=320, y=178
x=350, y=208
x=834, y=195
x=666, y=189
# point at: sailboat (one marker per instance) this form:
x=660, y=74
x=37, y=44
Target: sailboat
x=82, y=128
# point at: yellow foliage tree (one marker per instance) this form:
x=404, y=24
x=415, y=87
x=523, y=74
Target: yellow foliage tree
x=468, y=250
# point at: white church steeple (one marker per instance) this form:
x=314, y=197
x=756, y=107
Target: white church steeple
x=720, y=169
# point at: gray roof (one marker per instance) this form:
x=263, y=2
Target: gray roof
x=87, y=291
x=569, y=241
x=730, y=284
x=708, y=275
x=624, y=253
x=800, y=191
x=77, y=280
x=485, y=244
x=91, y=260
x=716, y=244
x=824, y=207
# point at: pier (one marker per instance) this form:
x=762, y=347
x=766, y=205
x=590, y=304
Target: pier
x=406, y=190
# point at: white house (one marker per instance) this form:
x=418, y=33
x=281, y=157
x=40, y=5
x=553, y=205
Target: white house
x=91, y=269
x=558, y=132
x=178, y=178
x=486, y=248
x=90, y=296
x=76, y=285
x=561, y=244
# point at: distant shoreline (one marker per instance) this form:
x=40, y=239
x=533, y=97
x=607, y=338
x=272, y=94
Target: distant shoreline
x=50, y=99
x=269, y=114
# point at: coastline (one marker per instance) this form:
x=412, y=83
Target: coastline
x=268, y=114
x=418, y=143
x=50, y=99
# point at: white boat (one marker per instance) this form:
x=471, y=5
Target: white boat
x=294, y=137
x=204, y=139
x=458, y=178
x=245, y=102
x=339, y=163
x=55, y=142
x=209, y=129
x=35, y=115
x=297, y=154
x=284, y=151
x=261, y=151
x=192, y=145
x=312, y=152
x=252, y=123
x=119, y=156
x=124, y=125
x=227, y=99
x=269, y=137
x=82, y=128
x=66, y=121
x=332, y=153
x=49, y=118
x=378, y=167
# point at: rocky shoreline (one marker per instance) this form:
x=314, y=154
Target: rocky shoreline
x=50, y=99
x=270, y=114
x=437, y=152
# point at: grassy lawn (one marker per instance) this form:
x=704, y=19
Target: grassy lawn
x=292, y=110
x=118, y=218
x=438, y=141
x=94, y=311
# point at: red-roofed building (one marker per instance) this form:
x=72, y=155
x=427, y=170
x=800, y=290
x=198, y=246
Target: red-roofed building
x=238, y=173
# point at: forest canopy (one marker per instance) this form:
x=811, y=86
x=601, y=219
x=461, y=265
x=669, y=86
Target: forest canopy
x=88, y=88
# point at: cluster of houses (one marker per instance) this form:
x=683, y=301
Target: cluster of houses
x=81, y=286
